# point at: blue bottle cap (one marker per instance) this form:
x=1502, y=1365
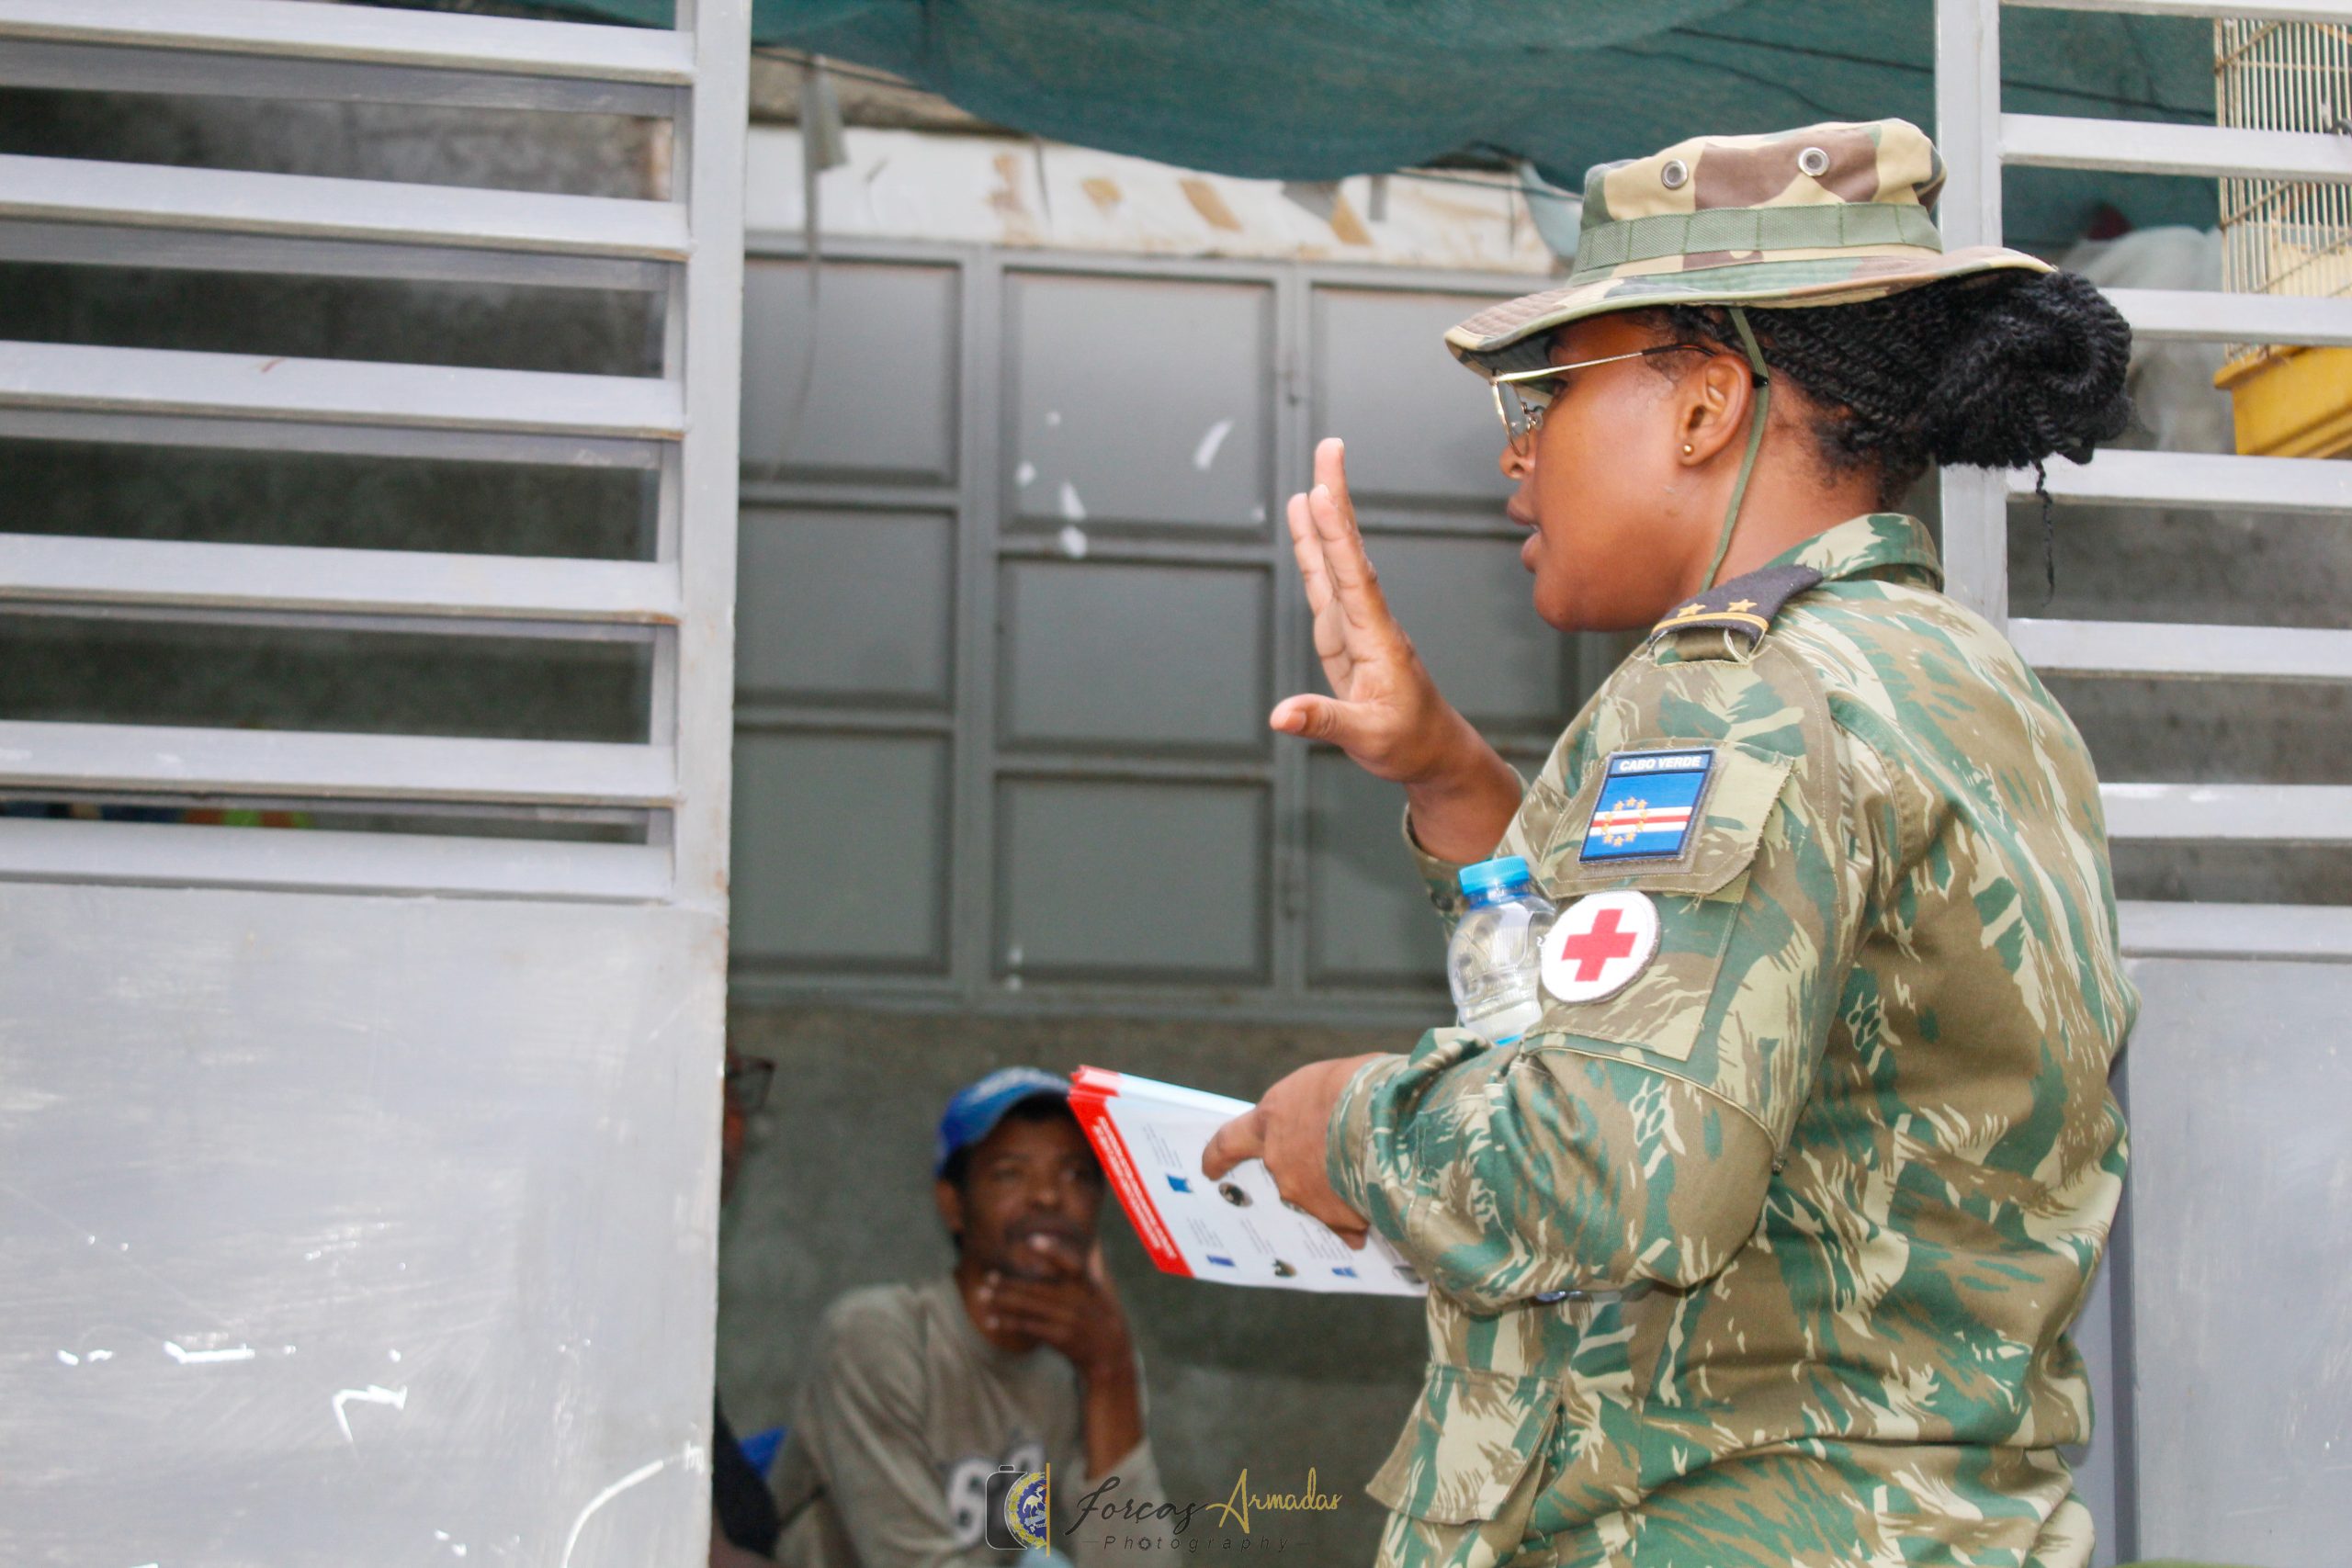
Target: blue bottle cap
x=1490, y=875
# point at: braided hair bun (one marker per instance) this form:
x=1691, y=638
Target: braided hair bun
x=2033, y=368
x=2001, y=369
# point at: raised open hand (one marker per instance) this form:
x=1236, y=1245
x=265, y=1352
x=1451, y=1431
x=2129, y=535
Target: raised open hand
x=1384, y=711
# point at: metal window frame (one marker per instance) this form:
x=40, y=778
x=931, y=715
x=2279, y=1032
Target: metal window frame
x=1979, y=139
x=970, y=720
x=680, y=424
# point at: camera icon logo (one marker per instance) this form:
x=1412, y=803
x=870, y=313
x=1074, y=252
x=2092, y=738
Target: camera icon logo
x=1018, y=1515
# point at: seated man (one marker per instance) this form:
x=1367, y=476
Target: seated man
x=1016, y=1358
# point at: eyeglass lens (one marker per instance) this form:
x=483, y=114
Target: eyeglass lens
x=1519, y=417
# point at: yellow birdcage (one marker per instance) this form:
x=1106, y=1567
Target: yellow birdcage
x=2285, y=236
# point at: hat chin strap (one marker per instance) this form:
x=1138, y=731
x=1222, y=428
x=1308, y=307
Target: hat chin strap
x=1763, y=383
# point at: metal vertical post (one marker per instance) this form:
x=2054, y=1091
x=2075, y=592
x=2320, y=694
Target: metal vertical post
x=711, y=345
x=1968, y=129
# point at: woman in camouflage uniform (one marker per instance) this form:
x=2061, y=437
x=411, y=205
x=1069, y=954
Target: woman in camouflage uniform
x=1761, y=1246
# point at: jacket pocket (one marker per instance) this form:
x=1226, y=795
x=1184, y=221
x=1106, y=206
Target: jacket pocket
x=1699, y=895
x=1731, y=815
x=1469, y=1443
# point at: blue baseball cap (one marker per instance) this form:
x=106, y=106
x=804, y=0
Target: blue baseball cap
x=979, y=1107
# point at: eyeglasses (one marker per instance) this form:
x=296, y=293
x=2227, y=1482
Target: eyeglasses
x=1522, y=411
x=747, y=1083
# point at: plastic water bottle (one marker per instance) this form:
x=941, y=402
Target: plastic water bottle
x=1492, y=962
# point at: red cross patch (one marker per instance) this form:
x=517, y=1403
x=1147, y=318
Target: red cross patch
x=1598, y=945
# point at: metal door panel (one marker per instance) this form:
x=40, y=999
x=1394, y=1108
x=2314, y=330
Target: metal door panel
x=1138, y=401
x=1420, y=430
x=1156, y=657
x=863, y=388
x=312, y=1215
x=2241, y=1325
x=839, y=606
x=840, y=842
x=1464, y=602
x=1121, y=880
x=1367, y=919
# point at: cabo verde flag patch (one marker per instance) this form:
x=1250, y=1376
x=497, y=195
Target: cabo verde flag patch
x=1648, y=804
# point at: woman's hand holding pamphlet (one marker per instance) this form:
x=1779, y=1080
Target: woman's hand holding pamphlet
x=1150, y=1137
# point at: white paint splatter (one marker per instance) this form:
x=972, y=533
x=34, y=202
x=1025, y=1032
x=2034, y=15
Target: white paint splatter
x=69, y=1358
x=99, y=1356
x=1073, y=541
x=203, y=1358
x=1206, y=453
x=1025, y=475
x=643, y=1473
x=372, y=1394
x=394, y=1354
x=1072, y=508
x=1053, y=417
x=315, y=1256
x=1258, y=513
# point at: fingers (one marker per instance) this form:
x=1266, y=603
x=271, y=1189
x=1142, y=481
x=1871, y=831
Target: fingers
x=1327, y=545
x=1346, y=1224
x=1331, y=470
x=1054, y=1313
x=1242, y=1138
x=1306, y=548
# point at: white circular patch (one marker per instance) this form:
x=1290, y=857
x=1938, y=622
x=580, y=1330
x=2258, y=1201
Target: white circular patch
x=1598, y=945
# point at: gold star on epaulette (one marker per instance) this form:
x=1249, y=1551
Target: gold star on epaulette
x=1745, y=605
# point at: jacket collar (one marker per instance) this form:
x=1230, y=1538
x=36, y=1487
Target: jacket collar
x=1877, y=544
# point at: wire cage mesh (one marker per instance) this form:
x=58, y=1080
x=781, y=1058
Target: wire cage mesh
x=2279, y=236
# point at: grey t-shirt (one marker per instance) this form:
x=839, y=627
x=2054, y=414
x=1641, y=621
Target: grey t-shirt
x=907, y=1415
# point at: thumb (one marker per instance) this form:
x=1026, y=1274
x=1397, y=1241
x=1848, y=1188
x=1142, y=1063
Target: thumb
x=1242, y=1138
x=1312, y=718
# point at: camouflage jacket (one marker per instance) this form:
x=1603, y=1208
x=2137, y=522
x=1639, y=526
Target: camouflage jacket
x=1827, y=1179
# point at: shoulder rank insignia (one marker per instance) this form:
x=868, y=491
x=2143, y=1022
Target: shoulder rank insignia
x=1744, y=604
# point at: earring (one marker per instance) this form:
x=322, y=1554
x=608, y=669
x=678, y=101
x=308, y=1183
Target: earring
x=1688, y=449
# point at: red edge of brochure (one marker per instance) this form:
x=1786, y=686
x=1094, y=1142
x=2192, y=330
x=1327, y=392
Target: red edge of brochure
x=1090, y=1091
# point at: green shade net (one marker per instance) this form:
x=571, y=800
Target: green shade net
x=1319, y=89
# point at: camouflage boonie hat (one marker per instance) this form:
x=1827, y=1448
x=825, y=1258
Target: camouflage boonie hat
x=1826, y=215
